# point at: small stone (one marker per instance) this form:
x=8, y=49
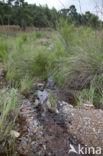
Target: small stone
x=65, y=103
x=88, y=105
x=24, y=144
x=25, y=128
x=29, y=139
x=94, y=130
x=57, y=111
x=48, y=104
x=44, y=146
x=40, y=84
x=14, y=134
x=33, y=143
x=35, y=123
x=53, y=109
x=36, y=102
x=99, y=131
x=39, y=153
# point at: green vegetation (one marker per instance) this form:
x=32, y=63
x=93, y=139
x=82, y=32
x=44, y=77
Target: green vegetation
x=24, y=59
x=53, y=100
x=26, y=84
x=72, y=56
x=74, y=59
x=29, y=56
x=87, y=19
x=65, y=45
x=85, y=59
x=83, y=68
x=3, y=49
x=20, y=13
x=8, y=116
x=87, y=95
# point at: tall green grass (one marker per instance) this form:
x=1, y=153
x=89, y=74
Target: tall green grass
x=8, y=116
x=85, y=61
x=25, y=85
x=26, y=57
x=3, y=50
x=85, y=58
x=74, y=60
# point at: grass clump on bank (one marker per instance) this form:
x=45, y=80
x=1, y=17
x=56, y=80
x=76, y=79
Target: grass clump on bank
x=8, y=116
x=25, y=85
x=84, y=62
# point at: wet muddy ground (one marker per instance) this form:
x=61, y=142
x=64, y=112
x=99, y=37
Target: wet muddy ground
x=44, y=133
x=52, y=138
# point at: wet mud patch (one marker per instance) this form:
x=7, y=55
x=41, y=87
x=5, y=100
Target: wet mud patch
x=55, y=136
x=56, y=139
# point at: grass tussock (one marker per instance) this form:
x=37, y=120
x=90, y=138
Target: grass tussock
x=84, y=63
x=26, y=84
x=8, y=116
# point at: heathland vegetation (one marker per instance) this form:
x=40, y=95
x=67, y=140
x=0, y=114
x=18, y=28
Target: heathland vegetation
x=70, y=50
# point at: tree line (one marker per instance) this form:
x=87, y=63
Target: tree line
x=18, y=12
x=88, y=19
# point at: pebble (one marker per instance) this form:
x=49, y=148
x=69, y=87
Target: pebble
x=23, y=143
x=48, y=104
x=36, y=102
x=44, y=146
